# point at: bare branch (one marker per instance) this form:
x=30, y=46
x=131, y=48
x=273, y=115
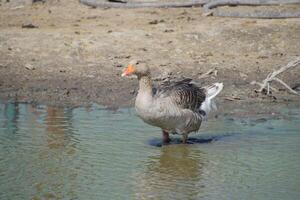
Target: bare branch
x=272, y=77
x=209, y=9
x=260, y=84
x=217, y=3
x=285, y=85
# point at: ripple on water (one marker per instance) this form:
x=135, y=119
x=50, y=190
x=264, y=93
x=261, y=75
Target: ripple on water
x=95, y=153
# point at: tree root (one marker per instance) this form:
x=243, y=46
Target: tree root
x=102, y=4
x=265, y=85
x=208, y=8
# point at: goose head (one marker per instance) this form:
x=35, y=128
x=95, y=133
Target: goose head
x=136, y=67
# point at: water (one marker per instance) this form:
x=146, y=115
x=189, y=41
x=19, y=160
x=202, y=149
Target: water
x=95, y=153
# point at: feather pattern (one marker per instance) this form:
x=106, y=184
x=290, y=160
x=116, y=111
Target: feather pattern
x=183, y=94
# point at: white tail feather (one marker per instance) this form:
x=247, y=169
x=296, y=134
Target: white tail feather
x=214, y=90
x=211, y=92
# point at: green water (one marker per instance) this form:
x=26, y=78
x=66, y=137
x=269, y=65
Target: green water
x=95, y=153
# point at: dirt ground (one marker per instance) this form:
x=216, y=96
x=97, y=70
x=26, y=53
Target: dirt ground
x=74, y=54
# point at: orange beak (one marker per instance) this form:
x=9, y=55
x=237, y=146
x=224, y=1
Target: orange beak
x=128, y=70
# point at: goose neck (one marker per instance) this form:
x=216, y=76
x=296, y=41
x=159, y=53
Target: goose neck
x=145, y=85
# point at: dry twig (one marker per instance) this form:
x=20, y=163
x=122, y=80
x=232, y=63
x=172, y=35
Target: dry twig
x=208, y=73
x=265, y=85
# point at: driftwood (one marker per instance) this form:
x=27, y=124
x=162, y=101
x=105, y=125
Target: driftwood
x=209, y=9
x=257, y=14
x=265, y=85
x=207, y=5
x=103, y=4
x=217, y=3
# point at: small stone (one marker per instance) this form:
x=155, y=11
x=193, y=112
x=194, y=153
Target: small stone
x=29, y=67
x=90, y=76
x=119, y=65
x=29, y=25
x=143, y=49
x=184, y=12
x=132, y=91
x=243, y=75
x=207, y=54
x=260, y=120
x=168, y=30
x=3, y=65
x=154, y=22
x=67, y=92
x=262, y=57
x=202, y=60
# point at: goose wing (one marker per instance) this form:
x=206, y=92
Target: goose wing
x=183, y=93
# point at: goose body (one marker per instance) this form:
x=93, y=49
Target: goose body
x=175, y=107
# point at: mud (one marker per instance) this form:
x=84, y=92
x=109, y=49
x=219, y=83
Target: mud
x=64, y=53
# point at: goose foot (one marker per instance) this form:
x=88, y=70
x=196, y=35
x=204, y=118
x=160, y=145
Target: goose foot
x=166, y=138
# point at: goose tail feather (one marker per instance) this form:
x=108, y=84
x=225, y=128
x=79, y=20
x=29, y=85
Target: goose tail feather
x=211, y=92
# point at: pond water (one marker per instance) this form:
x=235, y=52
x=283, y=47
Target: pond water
x=96, y=153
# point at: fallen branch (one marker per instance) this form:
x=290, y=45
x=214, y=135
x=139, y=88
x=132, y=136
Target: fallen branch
x=105, y=4
x=285, y=85
x=232, y=98
x=217, y=3
x=208, y=8
x=257, y=14
x=265, y=85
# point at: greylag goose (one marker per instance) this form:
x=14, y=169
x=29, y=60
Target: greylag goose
x=177, y=107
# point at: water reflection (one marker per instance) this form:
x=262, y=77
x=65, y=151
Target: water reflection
x=92, y=153
x=59, y=127
x=57, y=145
x=11, y=115
x=58, y=178
x=174, y=174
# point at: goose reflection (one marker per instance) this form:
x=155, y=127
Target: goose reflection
x=174, y=174
x=59, y=127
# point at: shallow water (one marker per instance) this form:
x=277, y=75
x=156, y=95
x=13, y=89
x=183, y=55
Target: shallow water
x=95, y=153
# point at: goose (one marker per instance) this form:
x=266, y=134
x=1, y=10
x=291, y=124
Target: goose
x=175, y=107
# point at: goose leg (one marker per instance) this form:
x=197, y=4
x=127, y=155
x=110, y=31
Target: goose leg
x=166, y=138
x=184, y=138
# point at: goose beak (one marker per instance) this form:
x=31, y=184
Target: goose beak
x=128, y=70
